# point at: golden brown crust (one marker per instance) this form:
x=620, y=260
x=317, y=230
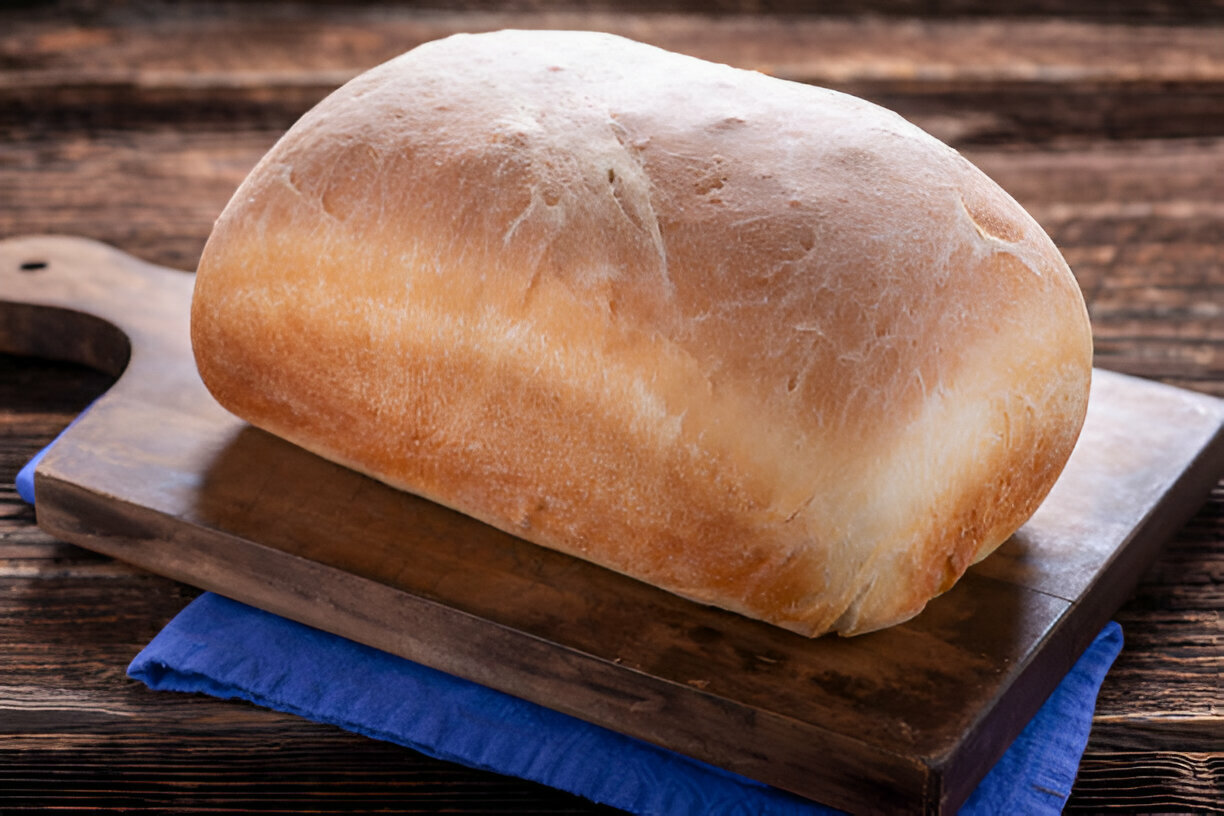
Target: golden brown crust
x=761, y=344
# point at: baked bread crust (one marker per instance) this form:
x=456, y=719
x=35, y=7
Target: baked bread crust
x=761, y=344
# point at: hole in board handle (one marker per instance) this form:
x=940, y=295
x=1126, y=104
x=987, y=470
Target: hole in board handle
x=33, y=266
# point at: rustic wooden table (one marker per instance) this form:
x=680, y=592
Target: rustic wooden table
x=133, y=123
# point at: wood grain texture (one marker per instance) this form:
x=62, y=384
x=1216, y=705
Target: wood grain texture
x=124, y=69
x=1129, y=185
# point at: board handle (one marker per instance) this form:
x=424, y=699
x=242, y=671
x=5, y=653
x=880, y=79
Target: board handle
x=66, y=298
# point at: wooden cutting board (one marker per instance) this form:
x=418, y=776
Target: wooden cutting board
x=907, y=719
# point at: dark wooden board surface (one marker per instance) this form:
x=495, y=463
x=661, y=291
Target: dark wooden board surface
x=133, y=122
x=158, y=475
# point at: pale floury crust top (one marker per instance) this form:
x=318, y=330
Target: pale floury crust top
x=764, y=345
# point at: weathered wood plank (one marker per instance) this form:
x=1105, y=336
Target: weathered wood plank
x=1115, y=11
x=968, y=80
x=154, y=193
x=195, y=45
x=1163, y=782
x=164, y=771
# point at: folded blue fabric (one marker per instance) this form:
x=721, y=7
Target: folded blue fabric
x=227, y=649
x=230, y=650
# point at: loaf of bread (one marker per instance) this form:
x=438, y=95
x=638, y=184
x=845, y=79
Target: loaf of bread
x=763, y=345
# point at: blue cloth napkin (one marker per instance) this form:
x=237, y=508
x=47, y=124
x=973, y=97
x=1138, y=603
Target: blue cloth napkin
x=229, y=650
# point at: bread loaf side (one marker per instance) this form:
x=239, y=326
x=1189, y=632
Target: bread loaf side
x=761, y=344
